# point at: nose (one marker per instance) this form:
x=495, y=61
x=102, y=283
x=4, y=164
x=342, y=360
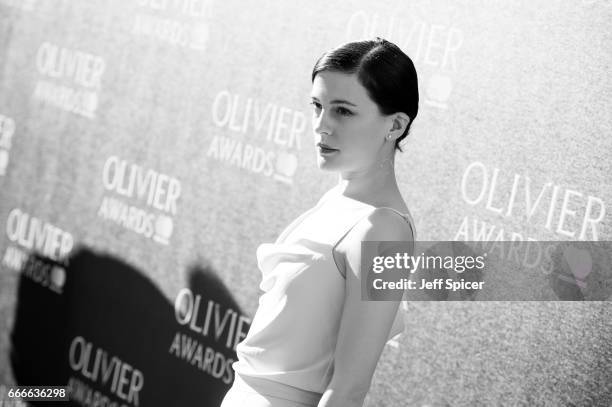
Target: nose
x=320, y=123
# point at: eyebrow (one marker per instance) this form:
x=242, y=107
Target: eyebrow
x=338, y=101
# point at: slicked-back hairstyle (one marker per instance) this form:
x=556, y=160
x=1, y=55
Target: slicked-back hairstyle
x=383, y=69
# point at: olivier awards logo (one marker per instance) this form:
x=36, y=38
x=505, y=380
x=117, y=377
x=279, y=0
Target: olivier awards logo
x=157, y=191
x=30, y=235
x=7, y=130
x=70, y=79
x=212, y=323
x=432, y=40
x=517, y=195
x=122, y=382
x=272, y=136
x=544, y=206
x=180, y=23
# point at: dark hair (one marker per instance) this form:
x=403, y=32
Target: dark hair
x=384, y=70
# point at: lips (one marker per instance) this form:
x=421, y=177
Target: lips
x=325, y=147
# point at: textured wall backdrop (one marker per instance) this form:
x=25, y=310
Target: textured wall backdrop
x=148, y=146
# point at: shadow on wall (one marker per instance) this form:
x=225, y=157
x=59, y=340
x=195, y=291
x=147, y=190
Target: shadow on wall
x=112, y=335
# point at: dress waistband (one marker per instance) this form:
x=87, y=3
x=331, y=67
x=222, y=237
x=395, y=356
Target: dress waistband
x=276, y=389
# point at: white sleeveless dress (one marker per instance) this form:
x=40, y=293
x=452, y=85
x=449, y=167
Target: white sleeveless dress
x=289, y=350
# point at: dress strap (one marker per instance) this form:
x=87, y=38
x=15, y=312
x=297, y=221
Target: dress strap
x=406, y=216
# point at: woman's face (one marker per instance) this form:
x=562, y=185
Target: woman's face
x=346, y=120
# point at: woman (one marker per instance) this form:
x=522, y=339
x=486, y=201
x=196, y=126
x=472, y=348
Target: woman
x=313, y=341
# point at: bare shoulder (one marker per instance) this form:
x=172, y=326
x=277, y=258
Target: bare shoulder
x=382, y=224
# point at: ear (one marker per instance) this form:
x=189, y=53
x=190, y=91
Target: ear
x=399, y=123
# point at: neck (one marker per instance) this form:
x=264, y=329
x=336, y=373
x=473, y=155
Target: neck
x=370, y=182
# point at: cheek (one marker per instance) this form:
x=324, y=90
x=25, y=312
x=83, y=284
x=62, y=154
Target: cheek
x=366, y=134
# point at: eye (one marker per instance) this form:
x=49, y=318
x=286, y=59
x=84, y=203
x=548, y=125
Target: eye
x=340, y=110
x=315, y=104
x=344, y=112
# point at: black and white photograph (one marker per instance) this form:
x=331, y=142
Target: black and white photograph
x=211, y=203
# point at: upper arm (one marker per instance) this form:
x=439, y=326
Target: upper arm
x=365, y=325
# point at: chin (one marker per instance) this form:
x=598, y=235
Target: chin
x=325, y=165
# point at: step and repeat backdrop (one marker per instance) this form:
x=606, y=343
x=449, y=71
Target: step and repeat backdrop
x=147, y=147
